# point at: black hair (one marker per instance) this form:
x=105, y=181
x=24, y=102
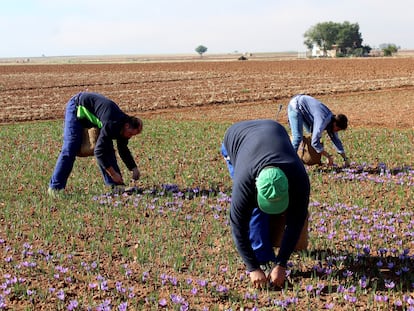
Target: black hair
x=341, y=121
x=134, y=122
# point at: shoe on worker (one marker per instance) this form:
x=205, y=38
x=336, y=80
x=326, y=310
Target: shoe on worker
x=117, y=189
x=54, y=193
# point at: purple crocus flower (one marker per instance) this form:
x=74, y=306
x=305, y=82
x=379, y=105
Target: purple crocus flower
x=119, y=288
x=173, y=281
x=347, y=273
x=131, y=293
x=73, y=304
x=398, y=303
x=60, y=295
x=340, y=289
x=222, y=289
x=104, y=286
x=30, y=292
x=389, y=284
x=104, y=306
x=162, y=302
x=93, y=285
x=366, y=250
x=164, y=278
x=145, y=276
x=177, y=299
x=123, y=306
x=363, y=282
x=202, y=283
x=309, y=288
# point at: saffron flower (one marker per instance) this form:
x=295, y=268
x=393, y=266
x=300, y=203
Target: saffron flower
x=162, y=302
x=60, y=295
x=73, y=304
x=123, y=306
x=389, y=284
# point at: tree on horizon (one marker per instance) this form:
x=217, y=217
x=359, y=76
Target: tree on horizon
x=201, y=49
x=345, y=38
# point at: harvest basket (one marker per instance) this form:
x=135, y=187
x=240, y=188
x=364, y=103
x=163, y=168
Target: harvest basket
x=307, y=153
x=89, y=138
x=277, y=228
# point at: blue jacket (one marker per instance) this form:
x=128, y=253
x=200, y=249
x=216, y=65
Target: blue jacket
x=251, y=146
x=318, y=118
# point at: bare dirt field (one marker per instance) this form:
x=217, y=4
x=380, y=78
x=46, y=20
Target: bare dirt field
x=373, y=92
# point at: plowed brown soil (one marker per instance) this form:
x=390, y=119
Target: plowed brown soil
x=372, y=92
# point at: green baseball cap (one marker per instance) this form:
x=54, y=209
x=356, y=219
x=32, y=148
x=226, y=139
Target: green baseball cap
x=272, y=190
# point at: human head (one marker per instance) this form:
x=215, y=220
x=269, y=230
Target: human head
x=272, y=190
x=340, y=122
x=132, y=126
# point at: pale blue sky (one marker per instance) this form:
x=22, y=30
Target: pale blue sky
x=30, y=28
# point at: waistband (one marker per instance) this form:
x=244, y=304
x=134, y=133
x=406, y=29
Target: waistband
x=76, y=98
x=294, y=102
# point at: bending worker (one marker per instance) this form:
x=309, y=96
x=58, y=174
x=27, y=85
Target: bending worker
x=306, y=111
x=268, y=178
x=86, y=110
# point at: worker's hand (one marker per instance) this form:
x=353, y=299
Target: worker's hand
x=329, y=157
x=346, y=160
x=117, y=178
x=330, y=160
x=258, y=278
x=277, y=276
x=135, y=173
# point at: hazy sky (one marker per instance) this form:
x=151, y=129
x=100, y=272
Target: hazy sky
x=31, y=28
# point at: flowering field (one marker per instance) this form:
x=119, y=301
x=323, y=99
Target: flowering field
x=168, y=246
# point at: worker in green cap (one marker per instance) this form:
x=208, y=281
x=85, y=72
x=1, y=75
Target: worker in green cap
x=268, y=179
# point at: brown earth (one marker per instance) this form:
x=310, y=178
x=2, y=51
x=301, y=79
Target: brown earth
x=372, y=92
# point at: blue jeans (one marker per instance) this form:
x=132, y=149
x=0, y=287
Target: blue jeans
x=113, y=162
x=72, y=140
x=259, y=226
x=296, y=125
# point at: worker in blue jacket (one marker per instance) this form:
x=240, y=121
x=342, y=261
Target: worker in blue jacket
x=268, y=178
x=306, y=111
x=86, y=110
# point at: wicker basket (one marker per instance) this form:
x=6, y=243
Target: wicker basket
x=89, y=138
x=307, y=153
x=277, y=229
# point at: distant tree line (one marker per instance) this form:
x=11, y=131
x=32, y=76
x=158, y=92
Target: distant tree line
x=344, y=37
x=388, y=48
